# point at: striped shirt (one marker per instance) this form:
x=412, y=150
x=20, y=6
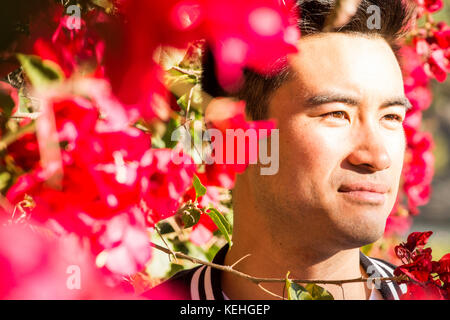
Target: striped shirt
x=204, y=282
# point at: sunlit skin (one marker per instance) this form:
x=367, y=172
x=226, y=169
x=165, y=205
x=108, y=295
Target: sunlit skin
x=340, y=121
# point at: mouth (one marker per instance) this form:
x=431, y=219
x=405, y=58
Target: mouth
x=365, y=193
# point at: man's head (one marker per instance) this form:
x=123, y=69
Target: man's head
x=339, y=106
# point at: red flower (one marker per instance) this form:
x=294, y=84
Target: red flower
x=442, y=36
x=418, y=169
x=439, y=64
x=25, y=152
x=431, y=5
x=444, y=269
x=417, y=240
x=202, y=232
x=165, y=181
x=229, y=119
x=422, y=292
x=125, y=243
x=397, y=224
x=420, y=269
x=257, y=34
x=68, y=47
x=34, y=265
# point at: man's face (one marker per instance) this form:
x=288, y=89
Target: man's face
x=341, y=141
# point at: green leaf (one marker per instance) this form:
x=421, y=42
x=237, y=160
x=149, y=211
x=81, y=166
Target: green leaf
x=211, y=253
x=25, y=103
x=190, y=217
x=171, y=126
x=183, y=102
x=5, y=178
x=40, y=72
x=105, y=4
x=6, y=105
x=200, y=189
x=158, y=143
x=174, y=268
x=318, y=293
x=221, y=222
x=366, y=249
x=296, y=291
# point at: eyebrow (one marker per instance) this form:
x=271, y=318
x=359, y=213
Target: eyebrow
x=353, y=101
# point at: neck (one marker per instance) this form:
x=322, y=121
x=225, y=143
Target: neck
x=273, y=253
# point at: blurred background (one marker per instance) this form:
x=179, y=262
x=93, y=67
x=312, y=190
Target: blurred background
x=435, y=215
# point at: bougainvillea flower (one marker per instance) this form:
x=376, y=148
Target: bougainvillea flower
x=417, y=240
x=36, y=266
x=229, y=119
x=165, y=181
x=431, y=5
x=255, y=34
x=125, y=243
x=70, y=47
x=444, y=269
x=418, y=169
x=442, y=36
x=422, y=292
x=25, y=152
x=439, y=64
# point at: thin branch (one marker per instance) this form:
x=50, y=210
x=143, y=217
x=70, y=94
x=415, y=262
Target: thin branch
x=270, y=292
x=246, y=256
x=187, y=72
x=168, y=248
x=257, y=280
x=343, y=293
x=11, y=137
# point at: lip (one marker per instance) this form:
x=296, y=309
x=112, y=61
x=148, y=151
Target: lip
x=365, y=192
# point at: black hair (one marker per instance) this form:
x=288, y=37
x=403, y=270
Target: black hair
x=257, y=89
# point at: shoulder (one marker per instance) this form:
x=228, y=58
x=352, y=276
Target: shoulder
x=383, y=266
x=376, y=265
x=175, y=288
x=379, y=268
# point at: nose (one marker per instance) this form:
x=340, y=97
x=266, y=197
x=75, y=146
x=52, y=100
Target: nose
x=370, y=150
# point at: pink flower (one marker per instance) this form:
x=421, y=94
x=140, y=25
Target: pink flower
x=439, y=64
x=255, y=34
x=202, y=232
x=229, y=118
x=125, y=243
x=418, y=169
x=442, y=36
x=397, y=224
x=431, y=5
x=422, y=292
x=69, y=47
x=34, y=265
x=165, y=181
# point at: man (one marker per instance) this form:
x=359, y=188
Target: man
x=339, y=107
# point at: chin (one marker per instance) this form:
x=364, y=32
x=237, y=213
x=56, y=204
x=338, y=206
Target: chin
x=360, y=229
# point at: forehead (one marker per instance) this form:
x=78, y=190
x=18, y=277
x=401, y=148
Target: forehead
x=354, y=64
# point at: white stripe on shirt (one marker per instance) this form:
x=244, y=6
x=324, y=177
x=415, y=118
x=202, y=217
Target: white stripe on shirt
x=384, y=274
x=194, y=284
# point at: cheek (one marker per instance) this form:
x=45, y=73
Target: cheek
x=396, y=149
x=308, y=150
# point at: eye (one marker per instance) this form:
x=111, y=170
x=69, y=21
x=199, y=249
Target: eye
x=393, y=117
x=337, y=115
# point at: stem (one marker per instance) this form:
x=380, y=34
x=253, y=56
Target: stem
x=11, y=137
x=187, y=72
x=267, y=280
